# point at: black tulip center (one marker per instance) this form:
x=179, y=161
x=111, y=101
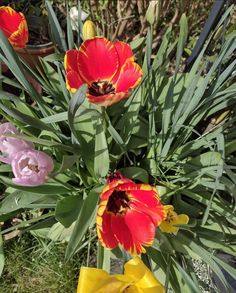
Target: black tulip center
x=100, y=88
x=118, y=202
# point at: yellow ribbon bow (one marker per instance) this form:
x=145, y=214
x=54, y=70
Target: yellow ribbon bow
x=137, y=278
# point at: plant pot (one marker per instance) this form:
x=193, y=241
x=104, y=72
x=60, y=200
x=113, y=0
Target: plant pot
x=38, y=33
x=32, y=53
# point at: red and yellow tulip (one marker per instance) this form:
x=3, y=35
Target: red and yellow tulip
x=107, y=68
x=128, y=214
x=137, y=278
x=171, y=219
x=14, y=26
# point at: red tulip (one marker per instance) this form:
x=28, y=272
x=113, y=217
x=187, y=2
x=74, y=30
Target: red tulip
x=107, y=68
x=14, y=26
x=128, y=214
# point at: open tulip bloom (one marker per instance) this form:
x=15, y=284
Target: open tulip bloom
x=31, y=167
x=14, y=26
x=9, y=145
x=128, y=214
x=107, y=68
x=137, y=278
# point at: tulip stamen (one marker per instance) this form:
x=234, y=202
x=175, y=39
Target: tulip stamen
x=170, y=217
x=33, y=168
x=25, y=164
x=100, y=88
x=118, y=202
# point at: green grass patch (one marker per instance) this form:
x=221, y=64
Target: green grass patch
x=36, y=265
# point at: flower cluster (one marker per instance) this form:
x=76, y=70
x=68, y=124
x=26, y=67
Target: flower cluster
x=128, y=213
x=30, y=167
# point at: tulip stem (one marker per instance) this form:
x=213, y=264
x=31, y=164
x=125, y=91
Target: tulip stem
x=100, y=255
x=88, y=250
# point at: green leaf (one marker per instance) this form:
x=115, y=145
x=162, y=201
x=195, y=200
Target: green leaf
x=101, y=158
x=47, y=188
x=70, y=38
x=194, y=288
x=67, y=163
x=26, y=119
x=2, y=257
x=68, y=209
x=136, y=173
x=206, y=257
x=17, y=200
x=75, y=102
x=182, y=40
x=57, y=32
x=84, y=221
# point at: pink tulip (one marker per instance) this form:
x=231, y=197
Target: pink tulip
x=31, y=167
x=9, y=146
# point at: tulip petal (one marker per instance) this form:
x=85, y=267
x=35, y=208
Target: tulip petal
x=104, y=229
x=145, y=233
x=147, y=197
x=147, y=202
x=73, y=81
x=168, y=227
x=130, y=77
x=123, y=234
x=182, y=219
x=107, y=100
x=97, y=60
x=8, y=27
x=124, y=53
x=14, y=26
x=71, y=60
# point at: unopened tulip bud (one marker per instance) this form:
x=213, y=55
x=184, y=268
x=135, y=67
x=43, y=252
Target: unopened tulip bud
x=153, y=11
x=9, y=145
x=89, y=30
x=31, y=167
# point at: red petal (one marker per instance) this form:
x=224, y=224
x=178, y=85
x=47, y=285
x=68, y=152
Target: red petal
x=147, y=198
x=73, y=81
x=156, y=214
x=71, y=60
x=107, y=100
x=123, y=234
x=147, y=201
x=98, y=60
x=130, y=76
x=141, y=228
x=14, y=26
x=9, y=20
x=124, y=53
x=109, y=188
x=105, y=233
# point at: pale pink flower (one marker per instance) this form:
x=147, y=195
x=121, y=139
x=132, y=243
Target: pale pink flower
x=9, y=146
x=31, y=167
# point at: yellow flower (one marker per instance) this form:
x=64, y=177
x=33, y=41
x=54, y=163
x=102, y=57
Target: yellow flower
x=172, y=219
x=137, y=278
x=89, y=30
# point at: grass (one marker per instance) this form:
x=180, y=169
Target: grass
x=35, y=265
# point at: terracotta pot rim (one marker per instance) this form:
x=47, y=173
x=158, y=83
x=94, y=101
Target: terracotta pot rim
x=46, y=45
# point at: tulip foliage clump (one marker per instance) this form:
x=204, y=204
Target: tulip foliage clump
x=120, y=149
